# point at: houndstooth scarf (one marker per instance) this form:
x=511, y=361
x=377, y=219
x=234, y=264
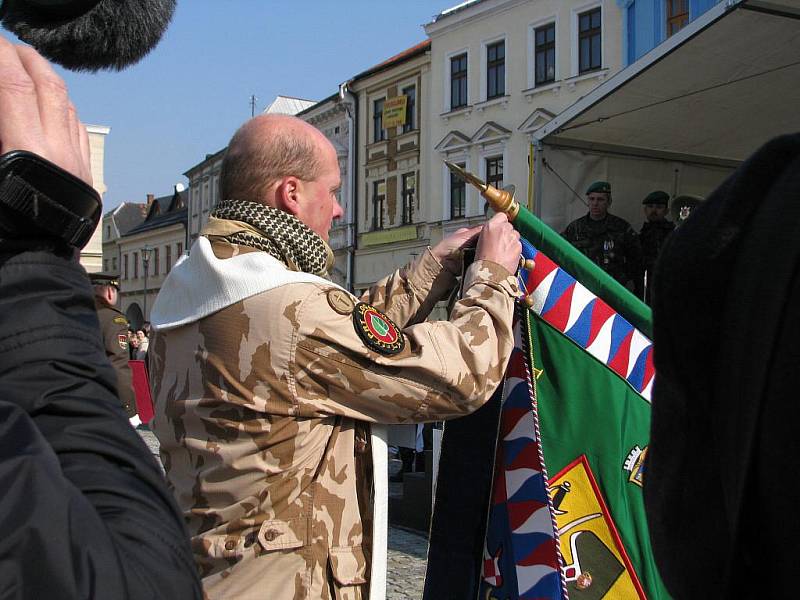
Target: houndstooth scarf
x=283, y=235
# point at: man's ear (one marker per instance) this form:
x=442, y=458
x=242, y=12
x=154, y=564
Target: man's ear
x=288, y=194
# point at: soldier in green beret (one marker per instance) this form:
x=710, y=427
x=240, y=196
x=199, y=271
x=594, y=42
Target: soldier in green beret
x=653, y=234
x=606, y=239
x=114, y=327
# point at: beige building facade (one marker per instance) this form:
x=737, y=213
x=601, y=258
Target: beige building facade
x=500, y=69
x=203, y=191
x=92, y=254
x=116, y=223
x=334, y=118
x=393, y=148
x=148, y=252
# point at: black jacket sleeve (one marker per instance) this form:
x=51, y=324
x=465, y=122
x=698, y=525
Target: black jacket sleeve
x=84, y=511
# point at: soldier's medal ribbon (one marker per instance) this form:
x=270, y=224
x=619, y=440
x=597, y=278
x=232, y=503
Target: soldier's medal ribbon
x=377, y=330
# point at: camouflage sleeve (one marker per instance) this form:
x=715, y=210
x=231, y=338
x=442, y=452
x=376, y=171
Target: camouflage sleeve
x=440, y=369
x=569, y=233
x=117, y=353
x=409, y=294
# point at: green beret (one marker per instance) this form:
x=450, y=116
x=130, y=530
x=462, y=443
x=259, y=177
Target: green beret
x=599, y=187
x=104, y=279
x=657, y=197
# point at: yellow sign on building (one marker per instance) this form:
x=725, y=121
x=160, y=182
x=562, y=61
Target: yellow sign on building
x=394, y=111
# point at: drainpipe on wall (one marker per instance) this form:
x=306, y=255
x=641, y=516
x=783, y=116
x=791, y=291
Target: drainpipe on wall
x=538, y=177
x=351, y=108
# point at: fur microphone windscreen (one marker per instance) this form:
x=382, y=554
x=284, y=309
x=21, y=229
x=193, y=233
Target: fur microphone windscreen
x=112, y=34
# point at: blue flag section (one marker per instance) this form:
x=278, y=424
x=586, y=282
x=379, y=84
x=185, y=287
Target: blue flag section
x=520, y=558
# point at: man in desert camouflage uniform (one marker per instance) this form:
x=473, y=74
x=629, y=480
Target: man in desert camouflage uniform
x=267, y=376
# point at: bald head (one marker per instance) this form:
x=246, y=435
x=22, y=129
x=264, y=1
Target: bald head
x=266, y=149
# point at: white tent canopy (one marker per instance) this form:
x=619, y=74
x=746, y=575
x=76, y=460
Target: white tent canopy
x=708, y=97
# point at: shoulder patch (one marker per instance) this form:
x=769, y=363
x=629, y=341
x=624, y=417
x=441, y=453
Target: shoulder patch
x=123, y=341
x=377, y=330
x=340, y=301
x=120, y=320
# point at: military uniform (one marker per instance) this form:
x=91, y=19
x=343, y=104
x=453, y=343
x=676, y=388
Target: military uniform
x=652, y=238
x=264, y=400
x=610, y=243
x=114, y=328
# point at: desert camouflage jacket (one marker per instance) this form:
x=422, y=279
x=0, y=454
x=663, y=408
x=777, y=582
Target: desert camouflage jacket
x=263, y=412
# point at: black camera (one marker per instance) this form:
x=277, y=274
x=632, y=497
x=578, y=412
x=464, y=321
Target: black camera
x=38, y=200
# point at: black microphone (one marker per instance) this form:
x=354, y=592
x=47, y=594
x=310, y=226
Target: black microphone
x=89, y=35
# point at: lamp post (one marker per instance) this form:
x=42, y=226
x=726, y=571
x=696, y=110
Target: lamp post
x=145, y=263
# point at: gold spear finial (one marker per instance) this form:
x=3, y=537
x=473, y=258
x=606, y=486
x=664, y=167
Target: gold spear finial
x=499, y=200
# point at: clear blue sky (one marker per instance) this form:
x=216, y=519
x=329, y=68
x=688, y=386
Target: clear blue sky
x=188, y=96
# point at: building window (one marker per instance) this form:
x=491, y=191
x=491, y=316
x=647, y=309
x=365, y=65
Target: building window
x=677, y=15
x=411, y=107
x=168, y=258
x=114, y=264
x=155, y=261
x=458, y=81
x=495, y=70
x=136, y=265
x=178, y=250
x=494, y=175
x=545, y=54
x=378, y=132
x=409, y=192
x=589, y=30
x=125, y=266
x=494, y=172
x=458, y=195
x=378, y=196
x=108, y=232
x=105, y=264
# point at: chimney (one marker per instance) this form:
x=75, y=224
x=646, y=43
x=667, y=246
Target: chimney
x=150, y=198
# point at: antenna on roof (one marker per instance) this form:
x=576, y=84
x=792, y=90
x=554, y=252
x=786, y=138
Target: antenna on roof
x=253, y=105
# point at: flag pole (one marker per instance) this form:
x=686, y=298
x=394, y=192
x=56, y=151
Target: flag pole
x=546, y=240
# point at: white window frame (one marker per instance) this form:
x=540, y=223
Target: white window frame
x=402, y=200
x=484, y=66
x=447, y=86
x=573, y=41
x=369, y=211
x=371, y=129
x=456, y=158
x=532, y=27
x=407, y=83
x=492, y=150
x=214, y=190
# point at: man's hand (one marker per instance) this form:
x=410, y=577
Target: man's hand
x=499, y=242
x=448, y=251
x=36, y=114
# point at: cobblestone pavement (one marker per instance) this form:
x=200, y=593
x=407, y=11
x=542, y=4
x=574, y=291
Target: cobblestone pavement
x=406, y=559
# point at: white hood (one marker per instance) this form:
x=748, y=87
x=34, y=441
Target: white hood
x=201, y=284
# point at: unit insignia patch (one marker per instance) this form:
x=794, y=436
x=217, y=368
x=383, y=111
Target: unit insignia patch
x=377, y=330
x=340, y=301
